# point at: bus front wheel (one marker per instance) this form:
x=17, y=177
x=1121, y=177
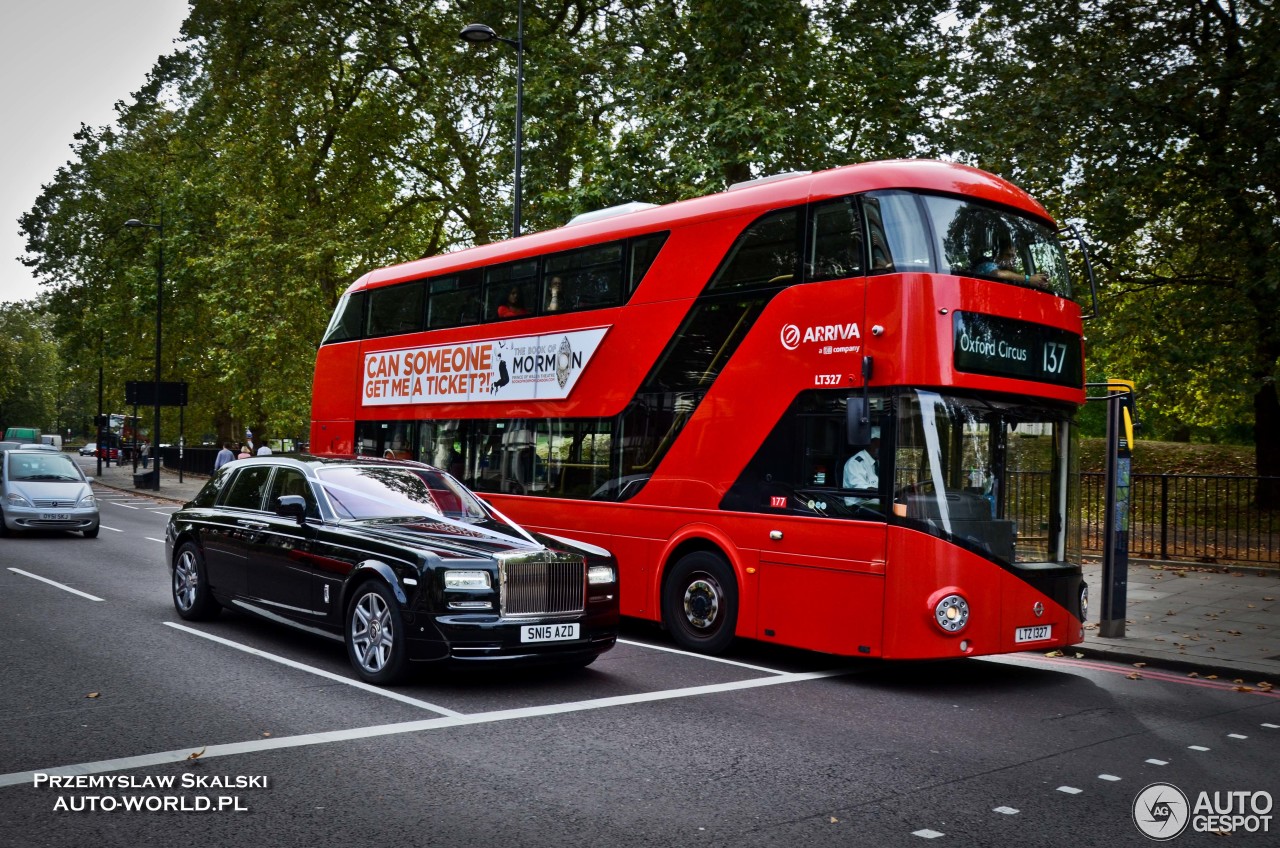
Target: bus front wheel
x=700, y=602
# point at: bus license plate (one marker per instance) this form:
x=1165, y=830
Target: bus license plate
x=548, y=632
x=55, y=516
x=1033, y=634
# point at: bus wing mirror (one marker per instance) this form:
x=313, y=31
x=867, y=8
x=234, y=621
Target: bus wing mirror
x=857, y=422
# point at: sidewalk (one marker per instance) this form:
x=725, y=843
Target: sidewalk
x=1207, y=619
x=1213, y=620
x=120, y=477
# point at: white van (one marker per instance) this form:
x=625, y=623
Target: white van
x=51, y=439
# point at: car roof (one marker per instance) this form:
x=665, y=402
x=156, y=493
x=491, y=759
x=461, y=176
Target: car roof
x=313, y=463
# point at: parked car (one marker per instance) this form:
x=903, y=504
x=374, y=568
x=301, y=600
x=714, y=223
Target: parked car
x=88, y=448
x=42, y=489
x=398, y=559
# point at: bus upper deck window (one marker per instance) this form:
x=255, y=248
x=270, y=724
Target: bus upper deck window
x=898, y=239
x=836, y=242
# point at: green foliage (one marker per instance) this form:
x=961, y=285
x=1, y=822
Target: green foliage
x=292, y=145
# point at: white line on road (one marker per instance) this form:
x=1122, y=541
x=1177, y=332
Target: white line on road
x=444, y=722
x=1158, y=762
x=125, y=505
x=1008, y=811
x=1110, y=777
x=359, y=684
x=112, y=529
x=1197, y=748
x=52, y=583
x=154, y=539
x=1070, y=790
x=699, y=656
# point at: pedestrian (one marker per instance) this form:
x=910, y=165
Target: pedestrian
x=144, y=452
x=244, y=452
x=224, y=456
x=264, y=449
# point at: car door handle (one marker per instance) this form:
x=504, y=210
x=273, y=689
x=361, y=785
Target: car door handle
x=253, y=525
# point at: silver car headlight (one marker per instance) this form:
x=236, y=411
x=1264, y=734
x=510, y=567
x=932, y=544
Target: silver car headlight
x=87, y=502
x=597, y=574
x=466, y=580
x=15, y=499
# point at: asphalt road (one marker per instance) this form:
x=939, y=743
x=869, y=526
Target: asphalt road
x=648, y=747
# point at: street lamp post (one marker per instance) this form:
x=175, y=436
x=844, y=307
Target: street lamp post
x=155, y=429
x=481, y=34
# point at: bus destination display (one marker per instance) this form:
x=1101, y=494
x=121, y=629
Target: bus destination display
x=985, y=344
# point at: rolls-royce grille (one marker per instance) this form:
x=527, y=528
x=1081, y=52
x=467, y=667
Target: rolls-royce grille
x=540, y=588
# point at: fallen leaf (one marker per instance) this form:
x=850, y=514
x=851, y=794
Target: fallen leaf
x=266, y=733
x=834, y=820
x=1140, y=665
x=1079, y=656
x=92, y=695
x=198, y=754
x=1193, y=674
x=1237, y=680
x=1233, y=633
x=1243, y=688
x=1265, y=686
x=1054, y=654
x=1268, y=599
x=1134, y=676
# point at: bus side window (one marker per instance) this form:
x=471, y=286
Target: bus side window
x=898, y=237
x=835, y=248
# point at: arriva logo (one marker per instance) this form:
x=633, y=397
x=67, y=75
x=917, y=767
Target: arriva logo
x=792, y=335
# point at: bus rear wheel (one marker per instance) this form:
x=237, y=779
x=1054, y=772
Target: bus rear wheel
x=700, y=602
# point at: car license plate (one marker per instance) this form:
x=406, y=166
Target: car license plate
x=548, y=632
x=1033, y=634
x=55, y=516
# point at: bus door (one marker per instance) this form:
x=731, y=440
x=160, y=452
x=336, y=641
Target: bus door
x=821, y=531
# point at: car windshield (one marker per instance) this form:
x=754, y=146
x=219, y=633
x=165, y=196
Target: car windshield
x=50, y=468
x=371, y=492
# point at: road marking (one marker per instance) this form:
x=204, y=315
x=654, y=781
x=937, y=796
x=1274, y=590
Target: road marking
x=1158, y=762
x=1110, y=777
x=1272, y=726
x=125, y=505
x=359, y=684
x=62, y=586
x=1070, y=790
x=1147, y=674
x=112, y=529
x=699, y=656
x=927, y=834
x=1197, y=748
x=444, y=722
x=153, y=539
x=1008, y=811
x=1236, y=736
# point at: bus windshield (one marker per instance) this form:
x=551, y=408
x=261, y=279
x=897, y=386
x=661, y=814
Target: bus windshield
x=994, y=475
x=980, y=241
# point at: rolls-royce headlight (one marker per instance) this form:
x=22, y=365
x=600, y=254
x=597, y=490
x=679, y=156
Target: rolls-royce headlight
x=600, y=574
x=466, y=580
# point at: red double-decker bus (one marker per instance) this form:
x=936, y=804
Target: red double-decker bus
x=828, y=410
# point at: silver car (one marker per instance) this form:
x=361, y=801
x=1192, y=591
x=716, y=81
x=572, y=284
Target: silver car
x=45, y=490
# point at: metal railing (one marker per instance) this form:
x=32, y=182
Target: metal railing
x=1199, y=517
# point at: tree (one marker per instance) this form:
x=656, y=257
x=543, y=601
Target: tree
x=1156, y=123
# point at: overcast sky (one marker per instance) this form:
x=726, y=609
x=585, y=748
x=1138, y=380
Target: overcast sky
x=64, y=63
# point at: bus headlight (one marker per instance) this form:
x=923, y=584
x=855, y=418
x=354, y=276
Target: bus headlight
x=1084, y=602
x=951, y=613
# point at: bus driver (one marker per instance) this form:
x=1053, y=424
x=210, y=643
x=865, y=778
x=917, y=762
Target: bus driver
x=862, y=471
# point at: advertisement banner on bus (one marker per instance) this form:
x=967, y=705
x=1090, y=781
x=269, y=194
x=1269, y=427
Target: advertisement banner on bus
x=516, y=368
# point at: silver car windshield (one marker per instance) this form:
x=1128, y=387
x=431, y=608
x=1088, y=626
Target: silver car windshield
x=52, y=468
x=371, y=492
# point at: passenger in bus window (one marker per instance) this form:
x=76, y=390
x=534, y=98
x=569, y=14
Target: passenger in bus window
x=553, y=295
x=514, y=304
x=1005, y=266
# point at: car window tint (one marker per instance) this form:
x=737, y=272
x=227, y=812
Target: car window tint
x=247, y=488
x=290, y=481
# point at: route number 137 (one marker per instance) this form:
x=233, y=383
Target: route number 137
x=1055, y=357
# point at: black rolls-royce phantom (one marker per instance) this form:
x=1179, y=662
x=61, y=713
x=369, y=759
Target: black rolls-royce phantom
x=398, y=559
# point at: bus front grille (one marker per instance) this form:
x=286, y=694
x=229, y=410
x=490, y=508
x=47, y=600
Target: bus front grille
x=543, y=587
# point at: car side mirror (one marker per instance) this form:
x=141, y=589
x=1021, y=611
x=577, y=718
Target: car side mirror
x=292, y=506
